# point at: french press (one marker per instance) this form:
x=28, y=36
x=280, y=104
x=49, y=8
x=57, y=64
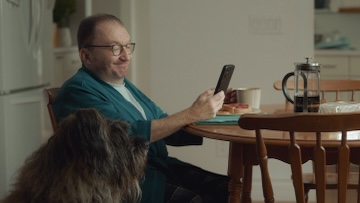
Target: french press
x=306, y=87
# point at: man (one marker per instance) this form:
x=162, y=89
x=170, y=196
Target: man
x=105, y=50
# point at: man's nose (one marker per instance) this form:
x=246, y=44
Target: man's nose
x=124, y=55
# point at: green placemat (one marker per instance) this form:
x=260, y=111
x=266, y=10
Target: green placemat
x=221, y=120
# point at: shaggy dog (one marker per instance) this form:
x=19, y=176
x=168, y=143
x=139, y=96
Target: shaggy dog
x=89, y=159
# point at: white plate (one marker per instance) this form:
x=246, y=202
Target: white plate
x=236, y=114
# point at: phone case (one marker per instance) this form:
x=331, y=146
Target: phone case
x=224, y=79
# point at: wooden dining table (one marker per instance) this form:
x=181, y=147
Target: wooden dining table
x=242, y=152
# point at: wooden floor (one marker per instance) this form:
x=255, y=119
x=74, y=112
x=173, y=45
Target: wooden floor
x=331, y=197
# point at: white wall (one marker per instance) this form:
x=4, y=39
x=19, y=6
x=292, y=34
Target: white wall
x=190, y=41
x=182, y=45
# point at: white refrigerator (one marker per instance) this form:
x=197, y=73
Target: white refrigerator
x=25, y=69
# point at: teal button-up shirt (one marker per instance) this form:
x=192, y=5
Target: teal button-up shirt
x=85, y=90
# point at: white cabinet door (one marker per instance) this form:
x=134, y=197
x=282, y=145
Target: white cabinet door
x=355, y=67
x=333, y=67
x=66, y=65
x=22, y=131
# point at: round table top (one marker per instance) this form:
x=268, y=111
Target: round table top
x=237, y=134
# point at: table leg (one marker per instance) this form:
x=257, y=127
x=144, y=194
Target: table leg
x=235, y=171
x=247, y=183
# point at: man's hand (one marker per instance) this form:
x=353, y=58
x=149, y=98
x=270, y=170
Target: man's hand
x=207, y=104
x=230, y=96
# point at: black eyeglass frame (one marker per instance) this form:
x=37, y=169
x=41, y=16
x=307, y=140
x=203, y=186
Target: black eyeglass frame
x=130, y=47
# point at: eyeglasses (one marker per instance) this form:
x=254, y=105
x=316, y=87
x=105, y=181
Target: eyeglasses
x=117, y=48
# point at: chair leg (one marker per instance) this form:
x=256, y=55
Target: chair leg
x=358, y=188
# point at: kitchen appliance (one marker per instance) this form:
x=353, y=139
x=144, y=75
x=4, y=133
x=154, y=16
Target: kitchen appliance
x=307, y=87
x=25, y=68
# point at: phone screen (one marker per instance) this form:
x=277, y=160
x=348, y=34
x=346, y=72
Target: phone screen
x=224, y=79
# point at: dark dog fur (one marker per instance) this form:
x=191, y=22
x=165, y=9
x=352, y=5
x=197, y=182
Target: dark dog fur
x=89, y=159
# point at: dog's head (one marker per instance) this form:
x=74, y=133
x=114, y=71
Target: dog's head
x=89, y=159
x=101, y=148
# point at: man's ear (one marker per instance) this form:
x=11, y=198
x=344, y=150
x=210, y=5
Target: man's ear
x=84, y=56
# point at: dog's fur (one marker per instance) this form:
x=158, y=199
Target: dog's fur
x=89, y=159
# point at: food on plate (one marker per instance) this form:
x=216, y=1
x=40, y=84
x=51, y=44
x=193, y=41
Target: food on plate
x=234, y=108
x=221, y=112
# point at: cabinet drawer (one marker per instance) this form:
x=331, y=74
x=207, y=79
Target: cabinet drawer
x=71, y=64
x=67, y=64
x=355, y=66
x=71, y=61
x=333, y=65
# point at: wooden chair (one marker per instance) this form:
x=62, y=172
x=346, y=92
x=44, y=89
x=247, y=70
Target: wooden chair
x=326, y=87
x=50, y=94
x=315, y=124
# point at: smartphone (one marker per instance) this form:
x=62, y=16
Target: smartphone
x=224, y=79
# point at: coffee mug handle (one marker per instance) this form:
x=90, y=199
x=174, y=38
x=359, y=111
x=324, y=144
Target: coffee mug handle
x=284, y=88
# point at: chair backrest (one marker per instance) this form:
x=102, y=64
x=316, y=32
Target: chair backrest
x=329, y=86
x=50, y=94
x=309, y=123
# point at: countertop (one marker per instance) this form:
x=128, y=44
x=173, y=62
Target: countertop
x=336, y=52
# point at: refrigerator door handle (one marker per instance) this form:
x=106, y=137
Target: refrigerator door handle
x=32, y=27
x=37, y=18
x=14, y=2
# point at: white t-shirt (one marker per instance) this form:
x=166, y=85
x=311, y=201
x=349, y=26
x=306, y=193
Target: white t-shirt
x=129, y=97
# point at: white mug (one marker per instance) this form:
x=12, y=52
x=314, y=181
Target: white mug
x=250, y=96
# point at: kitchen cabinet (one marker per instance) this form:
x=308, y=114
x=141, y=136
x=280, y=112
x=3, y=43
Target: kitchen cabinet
x=349, y=6
x=337, y=64
x=349, y=10
x=344, y=6
x=355, y=67
x=337, y=6
x=335, y=67
x=67, y=62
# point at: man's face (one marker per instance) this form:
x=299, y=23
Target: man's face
x=101, y=61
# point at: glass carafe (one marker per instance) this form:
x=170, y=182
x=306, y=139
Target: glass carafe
x=306, y=87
